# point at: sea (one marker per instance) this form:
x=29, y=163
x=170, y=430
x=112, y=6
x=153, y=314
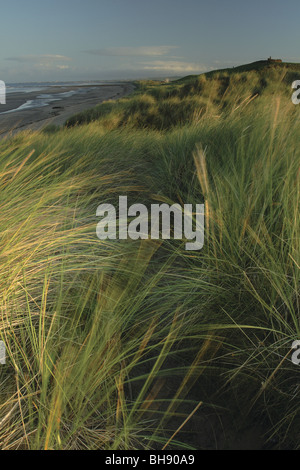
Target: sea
x=44, y=99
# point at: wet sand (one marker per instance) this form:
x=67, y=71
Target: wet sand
x=56, y=112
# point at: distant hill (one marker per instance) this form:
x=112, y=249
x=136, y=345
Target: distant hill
x=258, y=66
x=162, y=105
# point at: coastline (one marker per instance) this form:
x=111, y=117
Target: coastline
x=56, y=112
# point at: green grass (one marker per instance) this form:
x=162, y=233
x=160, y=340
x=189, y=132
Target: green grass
x=113, y=345
x=187, y=101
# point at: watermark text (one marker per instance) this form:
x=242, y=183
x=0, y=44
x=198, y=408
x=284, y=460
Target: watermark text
x=296, y=94
x=2, y=92
x=2, y=353
x=136, y=222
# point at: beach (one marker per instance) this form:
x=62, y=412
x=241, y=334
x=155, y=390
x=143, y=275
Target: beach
x=54, y=104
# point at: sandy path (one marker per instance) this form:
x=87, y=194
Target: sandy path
x=56, y=112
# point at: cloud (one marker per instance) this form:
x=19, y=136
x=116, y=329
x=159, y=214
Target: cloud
x=49, y=66
x=63, y=67
x=41, y=62
x=38, y=58
x=142, y=51
x=175, y=66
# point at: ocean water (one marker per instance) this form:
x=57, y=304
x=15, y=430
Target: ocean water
x=44, y=99
x=39, y=86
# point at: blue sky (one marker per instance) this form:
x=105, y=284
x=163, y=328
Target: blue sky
x=115, y=39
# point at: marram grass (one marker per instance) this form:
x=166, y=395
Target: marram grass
x=130, y=345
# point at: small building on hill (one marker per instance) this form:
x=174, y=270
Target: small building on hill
x=272, y=61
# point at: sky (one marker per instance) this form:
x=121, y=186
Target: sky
x=129, y=39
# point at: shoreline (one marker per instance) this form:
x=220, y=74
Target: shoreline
x=56, y=112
